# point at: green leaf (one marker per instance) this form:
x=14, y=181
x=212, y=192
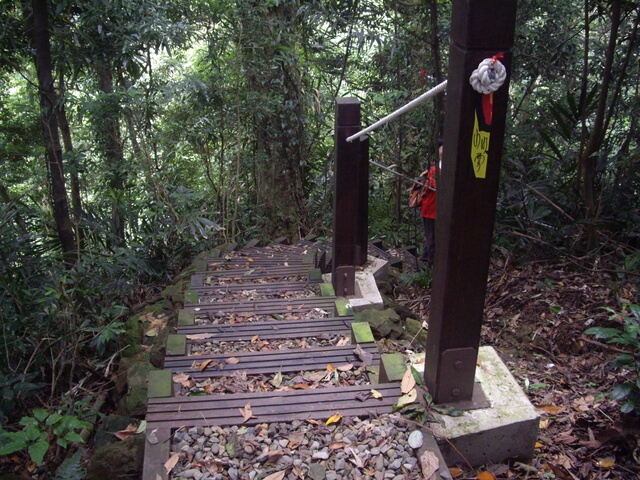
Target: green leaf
x=602, y=332
x=627, y=407
x=74, y=437
x=622, y=360
x=448, y=410
x=621, y=392
x=11, y=447
x=37, y=451
x=635, y=310
x=25, y=421
x=417, y=377
x=41, y=414
x=53, y=419
x=62, y=442
x=33, y=433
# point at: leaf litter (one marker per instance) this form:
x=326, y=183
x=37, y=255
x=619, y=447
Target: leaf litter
x=535, y=315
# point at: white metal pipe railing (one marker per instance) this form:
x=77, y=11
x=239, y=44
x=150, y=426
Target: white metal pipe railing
x=412, y=104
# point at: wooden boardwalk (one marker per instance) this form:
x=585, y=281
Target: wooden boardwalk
x=243, y=297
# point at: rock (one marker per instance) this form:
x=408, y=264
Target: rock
x=109, y=425
x=415, y=332
x=416, y=439
x=118, y=460
x=134, y=404
x=383, y=323
x=317, y=471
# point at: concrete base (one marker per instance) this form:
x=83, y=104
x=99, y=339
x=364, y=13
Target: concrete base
x=507, y=429
x=367, y=294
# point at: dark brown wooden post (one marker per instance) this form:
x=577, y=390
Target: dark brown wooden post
x=362, y=233
x=350, y=208
x=467, y=194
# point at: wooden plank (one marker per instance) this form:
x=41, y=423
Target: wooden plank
x=258, y=271
x=281, y=287
x=269, y=305
x=268, y=407
x=271, y=330
x=273, y=361
x=157, y=448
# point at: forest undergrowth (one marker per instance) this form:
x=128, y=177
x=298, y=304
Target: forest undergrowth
x=536, y=315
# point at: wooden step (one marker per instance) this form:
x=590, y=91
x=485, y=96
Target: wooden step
x=283, y=406
x=273, y=361
x=271, y=330
x=275, y=286
x=268, y=305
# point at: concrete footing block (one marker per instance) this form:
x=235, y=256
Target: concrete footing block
x=507, y=429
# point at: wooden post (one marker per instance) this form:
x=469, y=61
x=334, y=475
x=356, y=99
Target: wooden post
x=350, y=208
x=467, y=192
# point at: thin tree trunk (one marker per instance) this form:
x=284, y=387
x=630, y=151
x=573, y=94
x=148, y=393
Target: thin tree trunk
x=111, y=141
x=587, y=159
x=48, y=102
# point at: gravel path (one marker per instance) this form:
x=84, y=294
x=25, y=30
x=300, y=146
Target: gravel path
x=352, y=449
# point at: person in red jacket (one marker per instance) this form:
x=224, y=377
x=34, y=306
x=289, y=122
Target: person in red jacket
x=428, y=211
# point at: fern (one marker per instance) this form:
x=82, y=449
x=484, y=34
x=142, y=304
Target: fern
x=421, y=278
x=71, y=468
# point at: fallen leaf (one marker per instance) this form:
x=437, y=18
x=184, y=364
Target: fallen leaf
x=408, y=382
x=342, y=342
x=364, y=356
x=606, y=463
x=301, y=386
x=375, y=393
x=363, y=396
x=172, y=462
x=430, y=465
x=456, y=472
x=551, y=409
x=330, y=367
x=255, y=339
x=345, y=368
x=205, y=364
x=276, y=381
x=314, y=376
x=180, y=378
x=356, y=459
x=407, y=398
x=565, y=438
x=246, y=412
x=276, y=476
x=336, y=445
x=232, y=360
x=200, y=336
x=486, y=476
x=131, y=430
x=335, y=418
x=274, y=455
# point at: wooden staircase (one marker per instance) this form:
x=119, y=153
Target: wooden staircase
x=267, y=294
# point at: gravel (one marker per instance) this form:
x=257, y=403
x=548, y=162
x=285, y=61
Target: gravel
x=353, y=449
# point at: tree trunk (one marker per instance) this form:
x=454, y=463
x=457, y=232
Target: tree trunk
x=274, y=81
x=48, y=102
x=587, y=158
x=111, y=142
x=438, y=100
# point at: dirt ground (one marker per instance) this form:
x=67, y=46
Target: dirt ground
x=535, y=317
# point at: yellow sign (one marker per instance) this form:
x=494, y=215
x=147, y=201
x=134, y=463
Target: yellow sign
x=479, y=149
